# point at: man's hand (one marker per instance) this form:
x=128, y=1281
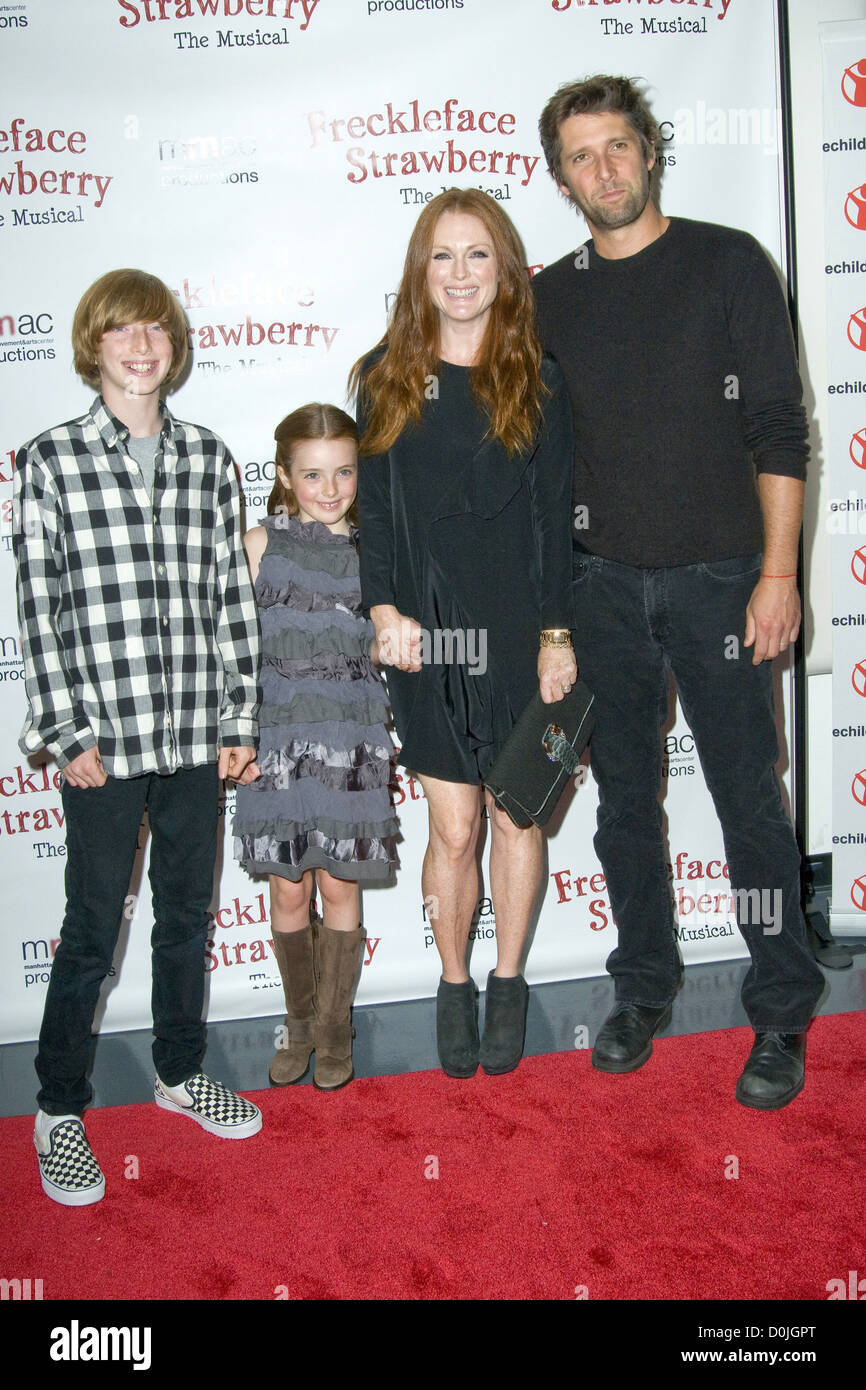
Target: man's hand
x=398, y=638
x=233, y=761
x=773, y=612
x=86, y=770
x=772, y=618
x=557, y=672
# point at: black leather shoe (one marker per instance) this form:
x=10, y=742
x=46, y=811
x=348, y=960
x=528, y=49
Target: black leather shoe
x=624, y=1040
x=775, y=1071
x=457, y=1028
x=504, y=1023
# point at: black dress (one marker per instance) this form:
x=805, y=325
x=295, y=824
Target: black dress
x=477, y=547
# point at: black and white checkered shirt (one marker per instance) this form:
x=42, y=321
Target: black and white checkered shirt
x=138, y=621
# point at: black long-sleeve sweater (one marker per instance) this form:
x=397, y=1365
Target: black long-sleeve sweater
x=683, y=380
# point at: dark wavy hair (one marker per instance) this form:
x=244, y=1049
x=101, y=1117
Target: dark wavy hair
x=590, y=98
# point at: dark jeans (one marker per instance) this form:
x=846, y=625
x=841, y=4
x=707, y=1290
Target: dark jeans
x=631, y=626
x=101, y=837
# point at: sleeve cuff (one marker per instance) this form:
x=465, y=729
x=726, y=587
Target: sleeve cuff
x=783, y=465
x=238, y=733
x=554, y=620
x=69, y=745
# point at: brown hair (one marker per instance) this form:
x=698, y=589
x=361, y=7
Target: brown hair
x=589, y=98
x=126, y=296
x=313, y=421
x=507, y=379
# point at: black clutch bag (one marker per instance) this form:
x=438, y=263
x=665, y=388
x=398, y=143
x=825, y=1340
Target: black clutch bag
x=542, y=751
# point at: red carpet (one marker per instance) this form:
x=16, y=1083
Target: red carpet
x=551, y=1180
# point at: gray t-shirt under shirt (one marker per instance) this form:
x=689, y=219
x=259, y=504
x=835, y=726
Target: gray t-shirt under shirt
x=144, y=453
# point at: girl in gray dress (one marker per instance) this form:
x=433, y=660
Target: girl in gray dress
x=316, y=804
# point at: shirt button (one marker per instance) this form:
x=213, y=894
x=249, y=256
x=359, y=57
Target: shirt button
x=160, y=569
x=165, y=622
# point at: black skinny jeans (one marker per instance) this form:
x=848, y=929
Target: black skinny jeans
x=101, y=836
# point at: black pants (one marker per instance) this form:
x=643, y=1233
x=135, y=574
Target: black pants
x=632, y=625
x=101, y=837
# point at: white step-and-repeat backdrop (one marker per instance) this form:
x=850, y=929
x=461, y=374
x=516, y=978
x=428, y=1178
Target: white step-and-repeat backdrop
x=267, y=159
x=844, y=149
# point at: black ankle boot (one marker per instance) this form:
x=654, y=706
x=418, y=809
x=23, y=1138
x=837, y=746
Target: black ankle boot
x=457, y=1028
x=504, y=1023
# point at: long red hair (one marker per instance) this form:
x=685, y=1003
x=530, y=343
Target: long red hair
x=506, y=380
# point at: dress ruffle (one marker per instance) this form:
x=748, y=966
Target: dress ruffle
x=345, y=769
x=323, y=798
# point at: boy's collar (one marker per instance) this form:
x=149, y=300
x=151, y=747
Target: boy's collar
x=114, y=431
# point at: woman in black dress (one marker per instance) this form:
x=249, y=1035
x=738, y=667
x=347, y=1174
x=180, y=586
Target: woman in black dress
x=465, y=502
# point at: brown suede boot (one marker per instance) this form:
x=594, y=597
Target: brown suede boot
x=338, y=958
x=294, y=951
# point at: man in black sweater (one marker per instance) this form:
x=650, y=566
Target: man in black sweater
x=691, y=454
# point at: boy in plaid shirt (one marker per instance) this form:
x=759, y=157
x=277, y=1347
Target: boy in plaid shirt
x=140, y=642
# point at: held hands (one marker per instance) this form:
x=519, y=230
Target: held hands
x=398, y=638
x=86, y=770
x=251, y=772
x=557, y=672
x=235, y=765
x=772, y=618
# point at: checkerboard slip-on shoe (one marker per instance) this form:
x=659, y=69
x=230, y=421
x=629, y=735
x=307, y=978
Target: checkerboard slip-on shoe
x=213, y=1106
x=67, y=1164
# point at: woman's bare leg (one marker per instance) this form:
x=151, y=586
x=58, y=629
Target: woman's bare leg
x=516, y=862
x=449, y=877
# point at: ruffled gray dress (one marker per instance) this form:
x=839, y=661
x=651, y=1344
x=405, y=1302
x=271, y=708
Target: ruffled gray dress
x=322, y=800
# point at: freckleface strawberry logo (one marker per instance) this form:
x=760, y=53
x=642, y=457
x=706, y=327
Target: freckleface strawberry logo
x=858, y=678
x=652, y=25
x=858, y=788
x=375, y=142
x=854, y=83
x=858, y=893
x=858, y=565
x=151, y=11
x=28, y=177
